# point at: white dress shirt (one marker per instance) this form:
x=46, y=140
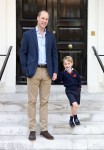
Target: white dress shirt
x=41, y=47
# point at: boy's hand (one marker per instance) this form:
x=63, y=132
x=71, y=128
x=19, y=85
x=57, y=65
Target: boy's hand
x=54, y=76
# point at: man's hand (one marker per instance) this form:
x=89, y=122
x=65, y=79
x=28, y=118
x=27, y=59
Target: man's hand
x=54, y=76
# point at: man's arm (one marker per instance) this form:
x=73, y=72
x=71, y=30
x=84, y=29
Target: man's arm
x=23, y=53
x=55, y=60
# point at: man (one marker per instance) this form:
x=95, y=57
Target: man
x=39, y=61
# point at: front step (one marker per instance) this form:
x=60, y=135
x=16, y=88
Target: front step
x=52, y=118
x=93, y=128
x=65, y=142
x=88, y=136
x=57, y=94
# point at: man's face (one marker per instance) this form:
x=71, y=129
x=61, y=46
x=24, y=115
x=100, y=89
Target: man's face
x=43, y=19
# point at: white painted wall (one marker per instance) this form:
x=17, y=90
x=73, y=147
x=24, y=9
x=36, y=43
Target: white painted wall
x=3, y=47
x=95, y=23
x=8, y=38
x=2, y=26
x=101, y=37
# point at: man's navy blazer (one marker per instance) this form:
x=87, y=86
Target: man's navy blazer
x=29, y=53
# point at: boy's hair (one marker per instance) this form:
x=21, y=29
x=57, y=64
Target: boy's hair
x=68, y=58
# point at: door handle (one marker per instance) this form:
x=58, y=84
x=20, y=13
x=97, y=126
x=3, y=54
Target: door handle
x=54, y=32
x=70, y=46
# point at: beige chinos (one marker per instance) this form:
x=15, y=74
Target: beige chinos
x=39, y=83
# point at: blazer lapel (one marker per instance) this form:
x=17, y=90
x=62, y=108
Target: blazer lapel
x=35, y=38
x=47, y=40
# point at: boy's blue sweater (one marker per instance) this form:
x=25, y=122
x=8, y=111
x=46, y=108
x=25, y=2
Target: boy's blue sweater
x=71, y=81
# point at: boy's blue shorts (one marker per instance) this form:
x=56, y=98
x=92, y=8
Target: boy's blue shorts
x=73, y=96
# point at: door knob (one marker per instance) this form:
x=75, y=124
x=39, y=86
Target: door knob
x=54, y=32
x=70, y=46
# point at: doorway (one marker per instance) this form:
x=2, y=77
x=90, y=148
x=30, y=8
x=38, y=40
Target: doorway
x=68, y=22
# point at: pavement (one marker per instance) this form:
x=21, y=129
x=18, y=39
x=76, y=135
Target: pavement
x=87, y=136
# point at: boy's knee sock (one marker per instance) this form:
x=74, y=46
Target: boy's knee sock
x=75, y=117
x=76, y=120
x=71, y=118
x=71, y=123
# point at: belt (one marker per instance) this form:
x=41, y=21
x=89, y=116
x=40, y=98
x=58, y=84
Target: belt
x=42, y=66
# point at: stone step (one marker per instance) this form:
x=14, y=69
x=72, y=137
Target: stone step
x=21, y=129
x=61, y=142
x=55, y=95
x=53, y=106
x=52, y=118
x=14, y=122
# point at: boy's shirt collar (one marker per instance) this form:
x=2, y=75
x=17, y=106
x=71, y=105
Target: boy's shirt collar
x=69, y=71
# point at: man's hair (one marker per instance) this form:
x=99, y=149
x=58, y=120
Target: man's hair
x=39, y=13
x=68, y=58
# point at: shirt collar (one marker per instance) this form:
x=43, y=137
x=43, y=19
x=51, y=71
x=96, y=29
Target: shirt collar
x=69, y=70
x=37, y=30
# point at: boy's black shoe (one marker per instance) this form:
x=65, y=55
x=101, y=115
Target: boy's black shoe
x=71, y=123
x=77, y=122
x=32, y=135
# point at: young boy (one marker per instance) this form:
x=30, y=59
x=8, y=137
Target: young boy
x=72, y=82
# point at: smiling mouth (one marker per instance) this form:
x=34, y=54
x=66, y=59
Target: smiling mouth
x=43, y=24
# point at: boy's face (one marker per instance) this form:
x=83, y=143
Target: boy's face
x=67, y=65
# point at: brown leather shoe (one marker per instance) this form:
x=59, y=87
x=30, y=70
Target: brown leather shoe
x=47, y=135
x=32, y=135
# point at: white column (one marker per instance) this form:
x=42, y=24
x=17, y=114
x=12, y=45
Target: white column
x=11, y=41
x=2, y=35
x=101, y=37
x=101, y=42
x=2, y=26
x=93, y=66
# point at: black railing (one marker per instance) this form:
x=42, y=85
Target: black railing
x=5, y=61
x=98, y=58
